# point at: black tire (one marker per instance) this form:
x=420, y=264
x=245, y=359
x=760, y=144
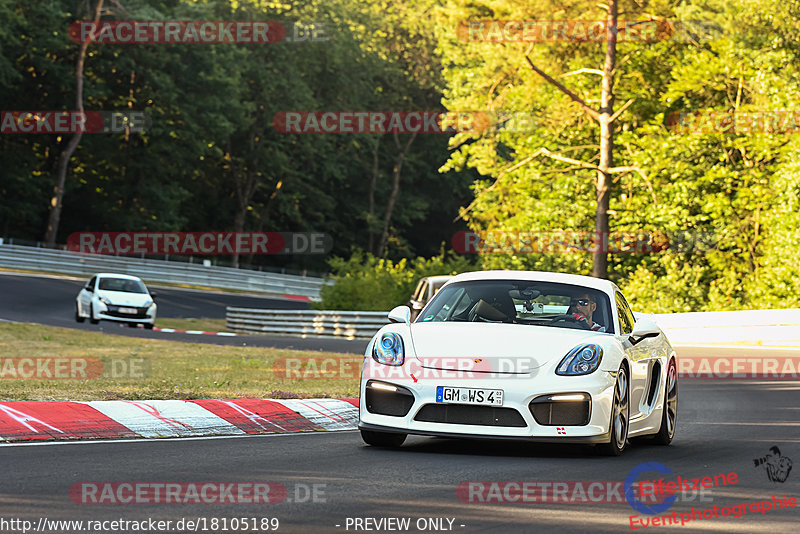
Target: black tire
x=669, y=414
x=91, y=315
x=382, y=439
x=620, y=417
x=78, y=317
x=149, y=326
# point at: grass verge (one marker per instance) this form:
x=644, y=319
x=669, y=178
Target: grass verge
x=108, y=367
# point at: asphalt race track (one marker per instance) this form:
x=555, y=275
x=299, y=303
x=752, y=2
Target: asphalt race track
x=51, y=301
x=723, y=426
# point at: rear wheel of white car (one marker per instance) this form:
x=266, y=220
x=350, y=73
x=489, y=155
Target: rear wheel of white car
x=669, y=414
x=91, y=315
x=382, y=439
x=78, y=317
x=620, y=412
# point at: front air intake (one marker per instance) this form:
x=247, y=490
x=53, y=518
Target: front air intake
x=465, y=414
x=567, y=409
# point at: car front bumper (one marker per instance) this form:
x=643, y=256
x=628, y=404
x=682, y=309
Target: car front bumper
x=113, y=313
x=463, y=420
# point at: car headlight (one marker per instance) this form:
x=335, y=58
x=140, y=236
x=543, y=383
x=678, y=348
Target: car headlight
x=104, y=300
x=148, y=303
x=581, y=360
x=389, y=350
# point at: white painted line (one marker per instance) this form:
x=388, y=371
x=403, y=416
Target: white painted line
x=163, y=440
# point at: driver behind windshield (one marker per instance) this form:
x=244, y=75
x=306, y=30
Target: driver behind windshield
x=582, y=307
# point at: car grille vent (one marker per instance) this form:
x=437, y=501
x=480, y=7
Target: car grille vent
x=561, y=413
x=465, y=414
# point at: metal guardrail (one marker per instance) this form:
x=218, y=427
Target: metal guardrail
x=328, y=323
x=60, y=261
x=779, y=328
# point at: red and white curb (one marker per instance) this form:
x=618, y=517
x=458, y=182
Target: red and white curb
x=37, y=420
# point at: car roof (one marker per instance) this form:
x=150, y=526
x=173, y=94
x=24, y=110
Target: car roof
x=539, y=276
x=117, y=275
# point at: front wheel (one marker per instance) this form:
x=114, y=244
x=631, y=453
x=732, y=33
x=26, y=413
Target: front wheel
x=669, y=413
x=620, y=417
x=149, y=326
x=382, y=439
x=91, y=315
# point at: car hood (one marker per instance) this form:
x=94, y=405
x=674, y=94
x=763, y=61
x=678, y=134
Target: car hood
x=512, y=348
x=122, y=298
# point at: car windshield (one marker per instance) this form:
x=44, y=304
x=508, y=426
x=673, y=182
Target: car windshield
x=521, y=302
x=123, y=285
x=438, y=285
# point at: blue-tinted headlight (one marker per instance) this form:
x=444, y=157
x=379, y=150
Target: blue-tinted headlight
x=388, y=349
x=581, y=360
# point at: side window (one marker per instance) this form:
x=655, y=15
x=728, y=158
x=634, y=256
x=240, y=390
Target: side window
x=625, y=315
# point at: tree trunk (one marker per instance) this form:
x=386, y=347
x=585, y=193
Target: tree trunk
x=601, y=226
x=244, y=194
x=372, y=184
x=244, y=188
x=396, y=171
x=54, y=217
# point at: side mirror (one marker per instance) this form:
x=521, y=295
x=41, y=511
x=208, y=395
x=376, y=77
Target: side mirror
x=400, y=314
x=90, y=289
x=153, y=295
x=643, y=328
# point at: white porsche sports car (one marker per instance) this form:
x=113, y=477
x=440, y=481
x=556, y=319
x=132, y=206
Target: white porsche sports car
x=116, y=297
x=521, y=355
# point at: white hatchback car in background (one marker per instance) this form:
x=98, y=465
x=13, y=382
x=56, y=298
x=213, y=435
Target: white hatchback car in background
x=116, y=297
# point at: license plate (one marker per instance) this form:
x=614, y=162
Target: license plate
x=130, y=311
x=492, y=397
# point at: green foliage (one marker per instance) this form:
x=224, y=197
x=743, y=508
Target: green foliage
x=211, y=160
x=734, y=193
x=364, y=282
